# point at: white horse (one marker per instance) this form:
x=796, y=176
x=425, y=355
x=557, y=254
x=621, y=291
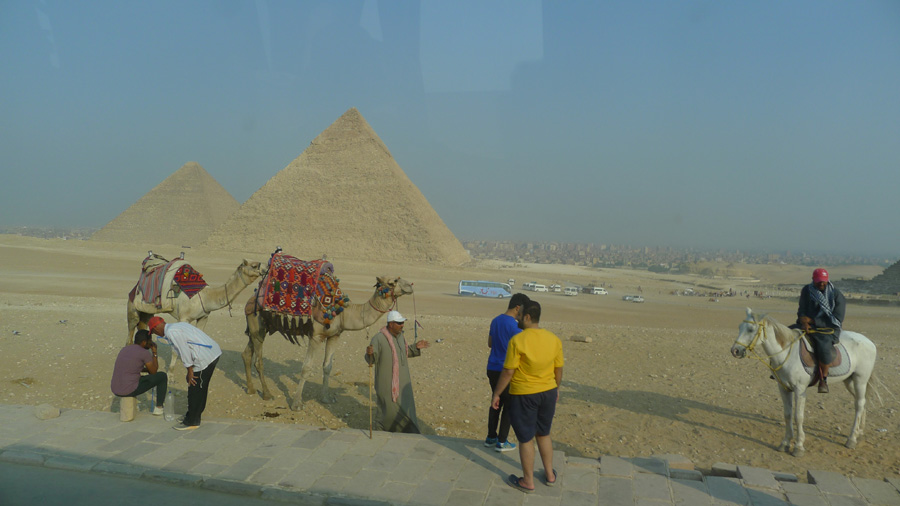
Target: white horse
x=781, y=346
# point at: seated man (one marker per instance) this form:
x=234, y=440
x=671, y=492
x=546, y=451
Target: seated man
x=821, y=313
x=134, y=359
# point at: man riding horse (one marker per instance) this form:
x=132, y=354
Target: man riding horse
x=820, y=314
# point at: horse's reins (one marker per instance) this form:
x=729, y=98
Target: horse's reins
x=764, y=359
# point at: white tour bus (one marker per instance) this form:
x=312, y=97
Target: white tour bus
x=570, y=290
x=485, y=289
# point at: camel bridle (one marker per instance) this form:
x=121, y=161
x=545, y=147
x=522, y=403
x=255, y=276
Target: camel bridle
x=240, y=275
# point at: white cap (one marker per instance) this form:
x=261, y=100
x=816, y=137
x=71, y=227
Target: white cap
x=395, y=316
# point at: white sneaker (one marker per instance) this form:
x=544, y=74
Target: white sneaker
x=157, y=411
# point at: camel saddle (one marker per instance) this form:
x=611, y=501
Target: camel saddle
x=293, y=291
x=838, y=367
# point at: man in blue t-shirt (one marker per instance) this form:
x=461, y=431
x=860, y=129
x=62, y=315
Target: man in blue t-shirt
x=503, y=328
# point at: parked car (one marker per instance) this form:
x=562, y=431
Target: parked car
x=599, y=291
x=627, y=297
x=570, y=290
x=539, y=288
x=637, y=298
x=555, y=288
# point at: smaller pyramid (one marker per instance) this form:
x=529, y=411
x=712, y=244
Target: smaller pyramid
x=182, y=210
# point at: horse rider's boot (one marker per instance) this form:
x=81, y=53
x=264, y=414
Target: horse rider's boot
x=823, y=381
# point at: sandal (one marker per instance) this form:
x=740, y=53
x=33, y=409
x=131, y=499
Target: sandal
x=515, y=482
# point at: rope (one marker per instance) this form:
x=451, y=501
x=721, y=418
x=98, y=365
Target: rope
x=416, y=323
x=764, y=359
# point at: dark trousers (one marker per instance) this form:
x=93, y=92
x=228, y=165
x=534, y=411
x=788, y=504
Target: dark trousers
x=823, y=346
x=197, y=394
x=498, y=415
x=148, y=381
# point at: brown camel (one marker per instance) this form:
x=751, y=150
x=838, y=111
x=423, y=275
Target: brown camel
x=261, y=323
x=195, y=309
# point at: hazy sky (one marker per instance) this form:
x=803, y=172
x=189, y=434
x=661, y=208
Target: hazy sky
x=763, y=125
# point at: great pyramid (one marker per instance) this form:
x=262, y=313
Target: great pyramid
x=182, y=210
x=344, y=197
x=886, y=283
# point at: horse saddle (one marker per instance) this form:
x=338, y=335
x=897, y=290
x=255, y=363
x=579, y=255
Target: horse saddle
x=838, y=367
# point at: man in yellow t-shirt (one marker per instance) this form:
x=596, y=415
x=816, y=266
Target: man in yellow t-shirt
x=533, y=371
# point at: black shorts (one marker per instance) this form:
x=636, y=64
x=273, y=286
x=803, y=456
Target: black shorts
x=532, y=414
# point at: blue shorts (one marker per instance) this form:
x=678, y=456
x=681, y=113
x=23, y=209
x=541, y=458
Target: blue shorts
x=532, y=414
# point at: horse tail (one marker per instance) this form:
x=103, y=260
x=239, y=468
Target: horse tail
x=875, y=384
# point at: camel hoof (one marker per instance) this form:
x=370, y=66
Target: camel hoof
x=850, y=444
x=329, y=399
x=251, y=391
x=798, y=452
x=782, y=448
x=296, y=406
x=268, y=397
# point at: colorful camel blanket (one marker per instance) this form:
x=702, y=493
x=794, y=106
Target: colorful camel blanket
x=297, y=288
x=189, y=280
x=159, y=276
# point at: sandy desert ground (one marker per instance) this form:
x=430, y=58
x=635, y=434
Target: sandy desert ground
x=657, y=377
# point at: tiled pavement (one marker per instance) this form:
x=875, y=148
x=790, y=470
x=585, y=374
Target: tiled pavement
x=316, y=466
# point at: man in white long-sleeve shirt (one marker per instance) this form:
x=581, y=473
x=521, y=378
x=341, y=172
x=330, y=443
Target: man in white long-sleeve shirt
x=199, y=354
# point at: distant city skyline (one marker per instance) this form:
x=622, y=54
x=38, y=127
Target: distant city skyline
x=754, y=126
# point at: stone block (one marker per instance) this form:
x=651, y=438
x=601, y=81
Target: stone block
x=127, y=407
x=46, y=412
x=722, y=469
x=830, y=482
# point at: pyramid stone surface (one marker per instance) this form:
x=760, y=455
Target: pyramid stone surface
x=182, y=210
x=886, y=283
x=344, y=197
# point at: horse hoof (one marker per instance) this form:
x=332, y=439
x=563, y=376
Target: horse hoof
x=798, y=452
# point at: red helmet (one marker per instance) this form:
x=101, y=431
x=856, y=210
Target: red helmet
x=820, y=275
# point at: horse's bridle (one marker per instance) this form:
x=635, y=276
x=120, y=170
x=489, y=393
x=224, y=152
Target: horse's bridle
x=764, y=359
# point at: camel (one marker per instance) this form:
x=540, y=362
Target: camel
x=354, y=317
x=195, y=309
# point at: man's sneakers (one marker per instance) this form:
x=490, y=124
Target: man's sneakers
x=158, y=411
x=505, y=447
x=185, y=427
x=491, y=441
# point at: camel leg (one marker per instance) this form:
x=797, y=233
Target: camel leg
x=134, y=317
x=859, y=391
x=201, y=322
x=266, y=394
x=799, y=415
x=785, y=445
x=247, y=355
x=312, y=345
x=327, y=396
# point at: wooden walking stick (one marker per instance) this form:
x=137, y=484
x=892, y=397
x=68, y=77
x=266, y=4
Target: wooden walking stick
x=371, y=387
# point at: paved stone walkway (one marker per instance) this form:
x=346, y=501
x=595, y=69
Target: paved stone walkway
x=344, y=467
